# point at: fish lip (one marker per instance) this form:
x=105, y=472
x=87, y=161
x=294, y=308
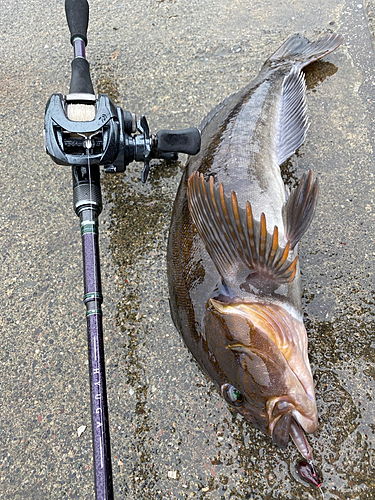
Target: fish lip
x=280, y=434
x=308, y=423
x=288, y=427
x=292, y=419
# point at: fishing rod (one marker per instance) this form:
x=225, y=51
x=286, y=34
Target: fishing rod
x=84, y=131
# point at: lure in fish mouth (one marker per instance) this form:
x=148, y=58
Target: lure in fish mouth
x=233, y=265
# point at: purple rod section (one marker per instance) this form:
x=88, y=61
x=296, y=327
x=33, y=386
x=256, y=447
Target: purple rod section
x=99, y=408
x=79, y=48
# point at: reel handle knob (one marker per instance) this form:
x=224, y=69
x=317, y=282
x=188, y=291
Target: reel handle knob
x=77, y=15
x=186, y=141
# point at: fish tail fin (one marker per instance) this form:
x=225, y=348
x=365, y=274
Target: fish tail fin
x=301, y=52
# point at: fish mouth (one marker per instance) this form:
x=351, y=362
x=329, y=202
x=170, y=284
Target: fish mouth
x=287, y=426
x=285, y=419
x=287, y=422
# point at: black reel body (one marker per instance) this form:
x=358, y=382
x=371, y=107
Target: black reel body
x=112, y=138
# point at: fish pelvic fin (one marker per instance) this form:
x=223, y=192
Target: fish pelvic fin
x=293, y=123
x=301, y=52
x=299, y=210
x=242, y=249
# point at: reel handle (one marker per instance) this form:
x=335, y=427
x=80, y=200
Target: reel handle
x=186, y=141
x=77, y=15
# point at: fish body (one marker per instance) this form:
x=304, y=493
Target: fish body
x=233, y=272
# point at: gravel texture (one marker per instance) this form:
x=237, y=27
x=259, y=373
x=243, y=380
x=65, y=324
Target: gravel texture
x=172, y=435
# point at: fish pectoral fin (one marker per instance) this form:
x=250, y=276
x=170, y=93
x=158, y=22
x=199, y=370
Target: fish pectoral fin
x=299, y=210
x=242, y=249
x=299, y=52
x=293, y=122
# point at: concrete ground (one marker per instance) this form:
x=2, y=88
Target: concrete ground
x=172, y=435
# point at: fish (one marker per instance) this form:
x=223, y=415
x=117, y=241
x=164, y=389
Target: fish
x=233, y=266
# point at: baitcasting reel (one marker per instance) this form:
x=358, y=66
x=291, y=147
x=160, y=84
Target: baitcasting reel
x=113, y=137
x=81, y=127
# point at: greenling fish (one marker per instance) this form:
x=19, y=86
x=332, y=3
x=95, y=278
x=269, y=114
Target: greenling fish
x=234, y=279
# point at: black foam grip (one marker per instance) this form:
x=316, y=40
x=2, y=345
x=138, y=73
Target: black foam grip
x=77, y=15
x=81, y=80
x=179, y=141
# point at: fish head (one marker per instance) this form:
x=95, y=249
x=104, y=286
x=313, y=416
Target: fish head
x=258, y=352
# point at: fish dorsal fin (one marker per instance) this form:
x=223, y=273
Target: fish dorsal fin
x=299, y=210
x=242, y=249
x=293, y=118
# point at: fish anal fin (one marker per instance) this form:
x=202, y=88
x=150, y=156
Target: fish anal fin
x=300, y=208
x=242, y=249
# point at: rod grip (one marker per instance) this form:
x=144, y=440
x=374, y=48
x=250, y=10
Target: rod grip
x=77, y=15
x=80, y=82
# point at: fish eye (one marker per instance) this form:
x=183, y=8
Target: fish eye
x=232, y=395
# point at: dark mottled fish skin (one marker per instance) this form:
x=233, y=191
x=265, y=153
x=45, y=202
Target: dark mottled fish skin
x=234, y=280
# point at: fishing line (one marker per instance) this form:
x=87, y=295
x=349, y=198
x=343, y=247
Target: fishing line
x=88, y=145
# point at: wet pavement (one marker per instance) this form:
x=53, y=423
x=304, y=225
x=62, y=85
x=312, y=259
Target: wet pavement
x=172, y=434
